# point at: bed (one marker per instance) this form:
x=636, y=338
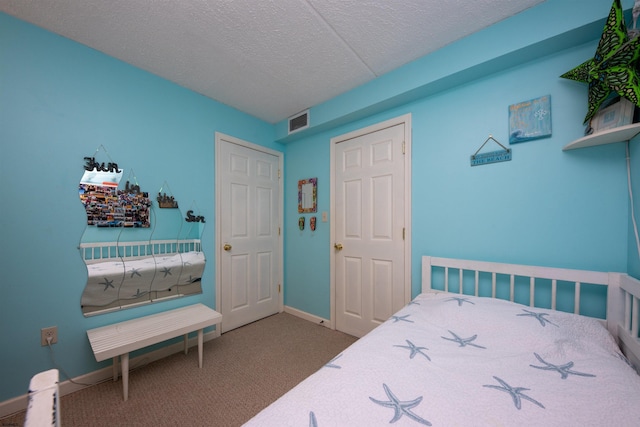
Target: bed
x=467, y=351
x=140, y=271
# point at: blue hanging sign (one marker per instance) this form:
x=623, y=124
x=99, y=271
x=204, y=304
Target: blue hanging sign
x=492, y=157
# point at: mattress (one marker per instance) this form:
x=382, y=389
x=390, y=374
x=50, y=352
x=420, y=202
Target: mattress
x=451, y=360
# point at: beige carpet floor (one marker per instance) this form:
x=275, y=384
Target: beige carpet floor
x=243, y=371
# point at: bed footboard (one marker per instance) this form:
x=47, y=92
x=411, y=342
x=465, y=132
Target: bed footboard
x=44, y=400
x=626, y=312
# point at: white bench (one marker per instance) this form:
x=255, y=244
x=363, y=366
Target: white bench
x=121, y=338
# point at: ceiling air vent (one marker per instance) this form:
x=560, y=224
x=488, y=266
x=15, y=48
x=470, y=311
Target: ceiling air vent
x=299, y=121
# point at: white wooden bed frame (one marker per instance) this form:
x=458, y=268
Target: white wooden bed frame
x=109, y=251
x=623, y=292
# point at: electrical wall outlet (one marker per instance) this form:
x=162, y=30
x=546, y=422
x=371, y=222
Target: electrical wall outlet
x=46, y=333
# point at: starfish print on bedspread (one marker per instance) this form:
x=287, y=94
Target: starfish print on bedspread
x=312, y=420
x=330, y=363
x=166, y=271
x=463, y=341
x=414, y=350
x=107, y=284
x=401, y=318
x=135, y=272
x=461, y=300
x=515, y=392
x=540, y=316
x=400, y=407
x=563, y=370
x=624, y=359
x=139, y=294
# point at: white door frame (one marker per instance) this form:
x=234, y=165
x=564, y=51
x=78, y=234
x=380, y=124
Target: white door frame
x=406, y=121
x=218, y=240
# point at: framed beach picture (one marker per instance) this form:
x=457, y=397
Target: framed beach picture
x=530, y=120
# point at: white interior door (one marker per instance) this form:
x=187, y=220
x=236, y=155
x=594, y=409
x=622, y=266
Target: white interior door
x=370, y=211
x=248, y=232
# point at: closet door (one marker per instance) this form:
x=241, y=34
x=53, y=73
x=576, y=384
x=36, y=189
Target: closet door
x=249, y=249
x=369, y=246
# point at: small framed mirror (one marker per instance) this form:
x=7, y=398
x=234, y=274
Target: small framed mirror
x=308, y=195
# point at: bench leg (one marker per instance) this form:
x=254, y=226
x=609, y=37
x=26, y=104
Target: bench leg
x=186, y=344
x=124, y=360
x=200, y=340
x=115, y=368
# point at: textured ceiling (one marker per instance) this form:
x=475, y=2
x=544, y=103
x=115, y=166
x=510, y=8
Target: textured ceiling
x=268, y=58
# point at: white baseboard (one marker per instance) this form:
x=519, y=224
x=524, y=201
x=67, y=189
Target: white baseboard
x=19, y=403
x=310, y=317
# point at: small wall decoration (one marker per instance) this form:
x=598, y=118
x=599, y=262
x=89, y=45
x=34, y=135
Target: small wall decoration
x=166, y=202
x=301, y=223
x=312, y=223
x=490, y=157
x=307, y=195
x=193, y=218
x=105, y=205
x=612, y=114
x=530, y=120
x=612, y=69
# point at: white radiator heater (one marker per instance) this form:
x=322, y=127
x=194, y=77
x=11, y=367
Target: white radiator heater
x=44, y=400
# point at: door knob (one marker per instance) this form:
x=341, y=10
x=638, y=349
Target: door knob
x=338, y=246
x=227, y=247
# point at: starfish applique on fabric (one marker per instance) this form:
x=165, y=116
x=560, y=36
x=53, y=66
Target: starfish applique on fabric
x=330, y=363
x=413, y=349
x=539, y=316
x=107, y=284
x=612, y=69
x=135, y=272
x=139, y=294
x=400, y=407
x=166, y=271
x=461, y=300
x=515, y=392
x=563, y=370
x=463, y=342
x=401, y=318
x=623, y=358
x=312, y=420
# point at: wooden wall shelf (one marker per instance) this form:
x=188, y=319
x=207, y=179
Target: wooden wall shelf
x=609, y=136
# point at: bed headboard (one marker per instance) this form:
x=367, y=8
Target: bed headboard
x=481, y=278
x=108, y=251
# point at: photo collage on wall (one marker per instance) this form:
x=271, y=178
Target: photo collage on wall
x=105, y=204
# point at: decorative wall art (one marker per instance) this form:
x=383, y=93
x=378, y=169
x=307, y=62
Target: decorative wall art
x=612, y=114
x=503, y=155
x=165, y=198
x=307, y=195
x=529, y=120
x=134, y=252
x=105, y=204
x=612, y=69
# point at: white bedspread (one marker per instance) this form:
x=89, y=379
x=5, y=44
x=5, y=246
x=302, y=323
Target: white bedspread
x=113, y=280
x=449, y=360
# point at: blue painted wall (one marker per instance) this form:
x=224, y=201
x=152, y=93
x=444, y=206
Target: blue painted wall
x=634, y=244
x=545, y=207
x=59, y=101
